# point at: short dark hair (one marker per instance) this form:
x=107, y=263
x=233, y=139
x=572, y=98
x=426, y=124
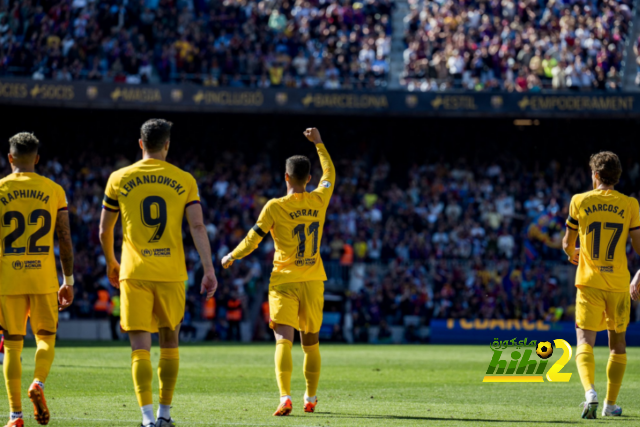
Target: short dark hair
x=608, y=167
x=299, y=168
x=23, y=143
x=155, y=133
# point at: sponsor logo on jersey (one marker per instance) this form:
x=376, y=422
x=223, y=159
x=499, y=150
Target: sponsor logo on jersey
x=325, y=184
x=27, y=265
x=305, y=262
x=33, y=265
x=164, y=252
x=606, y=269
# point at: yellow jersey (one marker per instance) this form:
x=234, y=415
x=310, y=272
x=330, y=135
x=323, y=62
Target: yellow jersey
x=295, y=222
x=603, y=219
x=29, y=206
x=151, y=195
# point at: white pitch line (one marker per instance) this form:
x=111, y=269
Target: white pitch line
x=182, y=422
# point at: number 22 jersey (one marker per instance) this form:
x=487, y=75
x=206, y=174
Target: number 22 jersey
x=603, y=219
x=151, y=196
x=29, y=206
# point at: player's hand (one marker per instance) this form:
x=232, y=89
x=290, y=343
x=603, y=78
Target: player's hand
x=209, y=284
x=227, y=261
x=65, y=297
x=113, y=273
x=634, y=288
x=576, y=257
x=313, y=135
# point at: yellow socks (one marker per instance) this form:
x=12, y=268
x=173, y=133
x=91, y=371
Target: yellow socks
x=44, y=356
x=615, y=372
x=284, y=366
x=142, y=376
x=312, y=363
x=586, y=366
x=13, y=373
x=168, y=373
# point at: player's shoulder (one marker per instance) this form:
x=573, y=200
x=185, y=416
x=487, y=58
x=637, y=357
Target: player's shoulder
x=123, y=171
x=52, y=183
x=581, y=197
x=628, y=199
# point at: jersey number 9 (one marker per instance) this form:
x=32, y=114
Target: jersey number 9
x=154, y=215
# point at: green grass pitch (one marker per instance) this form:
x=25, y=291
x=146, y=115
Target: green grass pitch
x=361, y=385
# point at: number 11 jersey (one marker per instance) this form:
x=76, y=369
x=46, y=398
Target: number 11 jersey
x=29, y=206
x=603, y=219
x=151, y=196
x=295, y=222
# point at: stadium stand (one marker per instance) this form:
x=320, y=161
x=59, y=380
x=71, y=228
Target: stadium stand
x=306, y=43
x=515, y=46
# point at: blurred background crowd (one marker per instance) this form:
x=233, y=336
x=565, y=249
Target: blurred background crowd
x=440, y=234
x=526, y=45
x=521, y=46
x=246, y=43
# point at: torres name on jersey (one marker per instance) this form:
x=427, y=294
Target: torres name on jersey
x=29, y=206
x=151, y=195
x=603, y=219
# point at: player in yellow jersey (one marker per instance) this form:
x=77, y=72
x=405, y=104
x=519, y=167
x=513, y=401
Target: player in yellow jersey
x=30, y=207
x=296, y=290
x=602, y=219
x=153, y=197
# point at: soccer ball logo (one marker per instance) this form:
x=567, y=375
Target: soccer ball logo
x=544, y=350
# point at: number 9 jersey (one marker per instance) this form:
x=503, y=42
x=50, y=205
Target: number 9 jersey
x=151, y=196
x=603, y=219
x=29, y=206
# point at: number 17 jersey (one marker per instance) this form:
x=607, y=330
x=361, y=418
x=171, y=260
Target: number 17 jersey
x=603, y=219
x=151, y=196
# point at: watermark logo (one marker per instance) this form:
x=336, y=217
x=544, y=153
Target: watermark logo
x=520, y=364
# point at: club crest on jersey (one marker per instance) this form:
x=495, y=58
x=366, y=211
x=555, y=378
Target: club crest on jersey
x=325, y=184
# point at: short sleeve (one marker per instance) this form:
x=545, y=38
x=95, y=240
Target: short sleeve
x=62, y=200
x=265, y=221
x=635, y=215
x=194, y=195
x=110, y=201
x=574, y=214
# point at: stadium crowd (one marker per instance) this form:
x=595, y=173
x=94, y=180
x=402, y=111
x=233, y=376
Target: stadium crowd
x=443, y=241
x=515, y=46
x=306, y=43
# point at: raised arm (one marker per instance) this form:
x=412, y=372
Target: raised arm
x=328, y=179
x=65, y=294
x=252, y=240
x=201, y=240
x=108, y=221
